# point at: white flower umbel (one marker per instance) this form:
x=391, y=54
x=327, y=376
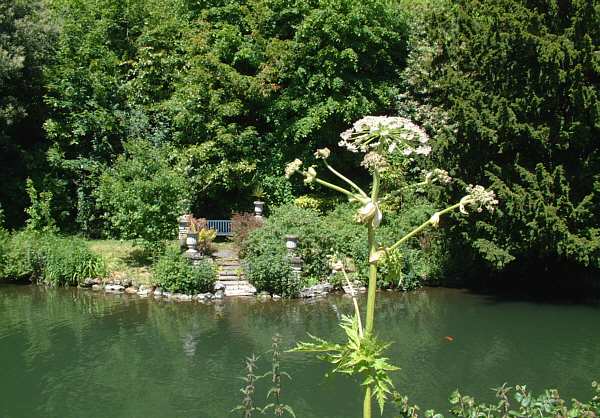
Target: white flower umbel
x=374, y=161
x=292, y=168
x=478, y=199
x=438, y=176
x=385, y=132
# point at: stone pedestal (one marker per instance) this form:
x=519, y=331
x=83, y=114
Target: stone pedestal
x=184, y=228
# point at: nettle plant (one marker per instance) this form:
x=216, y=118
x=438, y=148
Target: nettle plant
x=379, y=138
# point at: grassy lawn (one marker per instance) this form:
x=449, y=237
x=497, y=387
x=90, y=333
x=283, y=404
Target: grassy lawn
x=128, y=262
x=124, y=260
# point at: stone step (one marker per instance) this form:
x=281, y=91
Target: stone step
x=234, y=273
x=230, y=268
x=229, y=280
x=239, y=292
x=246, y=290
x=227, y=261
x=230, y=283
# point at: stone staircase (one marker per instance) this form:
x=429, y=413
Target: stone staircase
x=231, y=274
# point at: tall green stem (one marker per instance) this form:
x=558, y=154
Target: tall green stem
x=346, y=179
x=421, y=227
x=370, y=320
x=337, y=189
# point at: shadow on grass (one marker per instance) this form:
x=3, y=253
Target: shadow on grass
x=138, y=258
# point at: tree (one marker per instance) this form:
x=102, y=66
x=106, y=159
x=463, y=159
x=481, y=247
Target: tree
x=144, y=193
x=518, y=82
x=26, y=41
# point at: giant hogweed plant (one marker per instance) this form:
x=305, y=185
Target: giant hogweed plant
x=379, y=138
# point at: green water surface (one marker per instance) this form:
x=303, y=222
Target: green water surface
x=69, y=353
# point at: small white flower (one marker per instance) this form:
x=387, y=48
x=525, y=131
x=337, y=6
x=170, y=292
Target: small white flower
x=423, y=150
x=438, y=176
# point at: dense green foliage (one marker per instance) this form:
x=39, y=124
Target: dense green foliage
x=48, y=258
x=270, y=271
x=523, y=404
x=337, y=234
x=144, y=193
x=174, y=273
x=26, y=38
x=237, y=87
x=519, y=82
x=126, y=114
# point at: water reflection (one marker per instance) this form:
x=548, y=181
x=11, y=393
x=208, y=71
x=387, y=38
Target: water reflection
x=85, y=351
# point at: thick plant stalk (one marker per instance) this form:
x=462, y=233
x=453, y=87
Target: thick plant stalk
x=372, y=292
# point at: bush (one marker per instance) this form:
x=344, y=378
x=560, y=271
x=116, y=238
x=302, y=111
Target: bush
x=241, y=226
x=336, y=233
x=49, y=259
x=172, y=272
x=307, y=224
x=144, y=193
x=272, y=272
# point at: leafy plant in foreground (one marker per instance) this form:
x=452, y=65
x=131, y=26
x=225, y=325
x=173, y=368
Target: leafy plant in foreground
x=379, y=138
x=247, y=407
x=547, y=405
x=279, y=408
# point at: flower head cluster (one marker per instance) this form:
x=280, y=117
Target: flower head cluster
x=478, y=198
x=322, y=153
x=292, y=168
x=374, y=161
x=390, y=133
x=438, y=175
x=310, y=174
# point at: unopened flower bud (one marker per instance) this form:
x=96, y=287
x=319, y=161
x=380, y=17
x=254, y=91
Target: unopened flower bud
x=310, y=175
x=323, y=153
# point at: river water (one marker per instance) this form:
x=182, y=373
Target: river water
x=72, y=353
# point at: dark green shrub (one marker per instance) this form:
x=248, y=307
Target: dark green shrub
x=337, y=233
x=517, y=81
x=172, y=272
x=144, y=193
x=51, y=259
x=272, y=272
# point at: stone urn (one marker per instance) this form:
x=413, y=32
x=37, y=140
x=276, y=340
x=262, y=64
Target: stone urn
x=291, y=243
x=184, y=228
x=259, y=208
x=191, y=241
